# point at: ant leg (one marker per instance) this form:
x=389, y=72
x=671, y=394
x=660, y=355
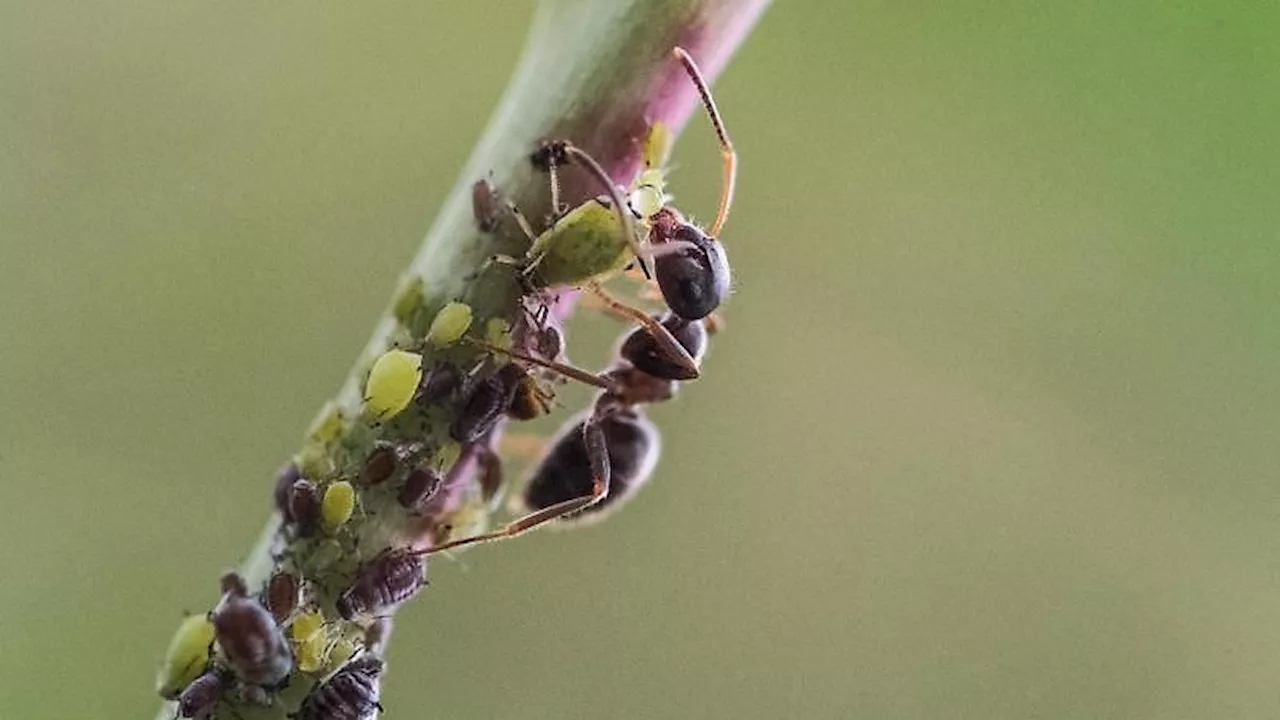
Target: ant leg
x=569, y=371
x=522, y=221
x=619, y=205
x=554, y=175
x=667, y=342
x=597, y=453
x=730, y=158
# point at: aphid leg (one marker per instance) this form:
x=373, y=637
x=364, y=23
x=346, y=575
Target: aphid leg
x=727, y=153
x=597, y=452
x=666, y=341
x=569, y=371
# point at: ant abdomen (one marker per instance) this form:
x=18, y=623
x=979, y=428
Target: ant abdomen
x=642, y=350
x=694, y=281
x=566, y=473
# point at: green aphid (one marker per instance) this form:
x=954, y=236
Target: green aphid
x=450, y=324
x=187, y=656
x=586, y=243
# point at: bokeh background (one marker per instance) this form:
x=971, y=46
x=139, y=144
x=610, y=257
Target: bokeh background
x=993, y=431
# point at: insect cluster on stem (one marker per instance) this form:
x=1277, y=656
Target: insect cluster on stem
x=417, y=453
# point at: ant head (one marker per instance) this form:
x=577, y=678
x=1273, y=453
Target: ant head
x=694, y=280
x=643, y=351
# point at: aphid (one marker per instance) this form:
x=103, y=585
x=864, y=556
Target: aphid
x=281, y=595
x=338, y=504
x=497, y=332
x=201, y=697
x=382, y=583
x=304, y=506
x=309, y=641
x=351, y=693
x=484, y=404
x=450, y=324
x=530, y=399
x=380, y=466
x=338, y=652
x=285, y=479
x=440, y=383
x=306, y=625
x=418, y=488
x=187, y=656
x=248, y=638
x=393, y=381
x=484, y=205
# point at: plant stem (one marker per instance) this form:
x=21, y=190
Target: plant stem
x=596, y=72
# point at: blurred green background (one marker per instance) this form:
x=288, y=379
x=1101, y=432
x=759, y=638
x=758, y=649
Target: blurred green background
x=993, y=431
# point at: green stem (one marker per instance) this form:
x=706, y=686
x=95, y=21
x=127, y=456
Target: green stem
x=597, y=72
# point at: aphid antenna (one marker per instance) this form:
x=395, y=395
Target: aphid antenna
x=727, y=153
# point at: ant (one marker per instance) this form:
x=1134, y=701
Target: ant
x=599, y=238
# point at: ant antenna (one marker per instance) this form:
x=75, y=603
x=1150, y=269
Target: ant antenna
x=726, y=147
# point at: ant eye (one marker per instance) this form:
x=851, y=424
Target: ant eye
x=693, y=281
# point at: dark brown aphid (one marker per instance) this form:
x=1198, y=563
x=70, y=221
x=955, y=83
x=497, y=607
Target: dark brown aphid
x=418, y=488
x=485, y=205
x=351, y=693
x=200, y=698
x=282, y=595
x=380, y=466
x=382, y=583
x=304, y=506
x=440, y=383
x=287, y=476
x=251, y=643
x=484, y=405
x=529, y=400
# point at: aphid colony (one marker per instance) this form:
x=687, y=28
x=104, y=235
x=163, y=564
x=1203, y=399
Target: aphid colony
x=324, y=614
x=250, y=646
